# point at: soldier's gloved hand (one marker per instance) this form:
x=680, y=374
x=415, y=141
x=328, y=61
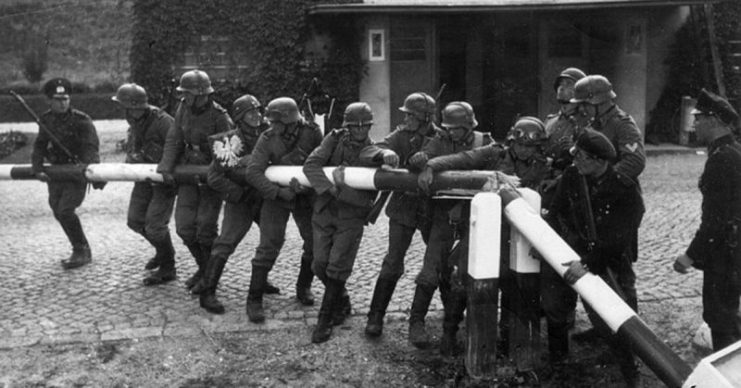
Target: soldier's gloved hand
x=339, y=176
x=286, y=194
x=99, y=185
x=42, y=176
x=418, y=160
x=424, y=179
x=297, y=187
x=575, y=272
x=168, y=179
x=547, y=185
x=390, y=158
x=682, y=263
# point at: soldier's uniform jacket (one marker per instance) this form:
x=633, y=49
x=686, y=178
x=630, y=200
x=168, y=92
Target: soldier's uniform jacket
x=75, y=130
x=625, y=136
x=442, y=144
x=617, y=209
x=187, y=142
x=495, y=157
x=560, y=129
x=403, y=207
x=338, y=149
x=231, y=152
x=147, y=135
x=274, y=148
x=712, y=248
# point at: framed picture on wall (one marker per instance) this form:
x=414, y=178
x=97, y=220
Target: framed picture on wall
x=376, y=46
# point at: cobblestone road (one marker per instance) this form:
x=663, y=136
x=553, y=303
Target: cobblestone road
x=107, y=300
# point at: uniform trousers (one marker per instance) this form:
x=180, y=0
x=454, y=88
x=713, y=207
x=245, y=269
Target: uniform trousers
x=64, y=198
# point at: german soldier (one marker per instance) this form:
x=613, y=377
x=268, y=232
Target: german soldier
x=197, y=209
x=225, y=175
x=524, y=158
x=407, y=211
x=560, y=128
x=459, y=122
x=76, y=142
x=150, y=207
x=339, y=214
x=288, y=141
x=597, y=213
x=716, y=247
x=597, y=109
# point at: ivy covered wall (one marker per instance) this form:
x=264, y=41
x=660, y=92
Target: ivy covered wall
x=269, y=38
x=690, y=67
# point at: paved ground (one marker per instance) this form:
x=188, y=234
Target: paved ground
x=106, y=300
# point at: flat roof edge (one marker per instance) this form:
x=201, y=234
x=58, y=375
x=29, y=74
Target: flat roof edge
x=360, y=8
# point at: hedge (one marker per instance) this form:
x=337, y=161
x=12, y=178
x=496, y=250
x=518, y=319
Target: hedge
x=98, y=105
x=269, y=36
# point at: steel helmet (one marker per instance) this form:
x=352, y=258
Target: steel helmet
x=195, y=82
x=421, y=105
x=593, y=89
x=131, y=96
x=358, y=113
x=528, y=130
x=571, y=73
x=283, y=109
x=243, y=105
x=459, y=114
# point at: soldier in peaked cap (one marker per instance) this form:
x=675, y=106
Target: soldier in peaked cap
x=716, y=247
x=597, y=213
x=77, y=143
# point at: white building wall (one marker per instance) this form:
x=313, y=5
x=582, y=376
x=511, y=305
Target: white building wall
x=375, y=86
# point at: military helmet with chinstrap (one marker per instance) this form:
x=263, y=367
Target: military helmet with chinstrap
x=528, y=130
x=195, y=82
x=570, y=73
x=593, y=89
x=283, y=109
x=131, y=96
x=459, y=114
x=243, y=105
x=358, y=113
x=419, y=104
x=57, y=87
x=712, y=104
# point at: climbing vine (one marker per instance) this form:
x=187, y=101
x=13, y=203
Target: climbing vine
x=265, y=42
x=689, y=67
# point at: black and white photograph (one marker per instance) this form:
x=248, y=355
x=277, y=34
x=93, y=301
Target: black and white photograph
x=370, y=193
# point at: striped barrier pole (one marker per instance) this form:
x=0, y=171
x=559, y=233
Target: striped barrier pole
x=524, y=322
x=361, y=178
x=621, y=319
x=483, y=285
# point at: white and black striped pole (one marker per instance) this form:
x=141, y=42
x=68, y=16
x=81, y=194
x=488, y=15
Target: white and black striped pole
x=482, y=285
x=524, y=321
x=621, y=319
x=362, y=178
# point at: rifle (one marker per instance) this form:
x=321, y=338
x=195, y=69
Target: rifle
x=383, y=198
x=592, y=235
x=54, y=139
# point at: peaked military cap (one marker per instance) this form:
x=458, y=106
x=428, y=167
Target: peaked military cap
x=596, y=144
x=712, y=104
x=57, y=87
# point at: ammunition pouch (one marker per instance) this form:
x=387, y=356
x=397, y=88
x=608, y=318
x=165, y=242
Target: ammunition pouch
x=194, y=155
x=152, y=152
